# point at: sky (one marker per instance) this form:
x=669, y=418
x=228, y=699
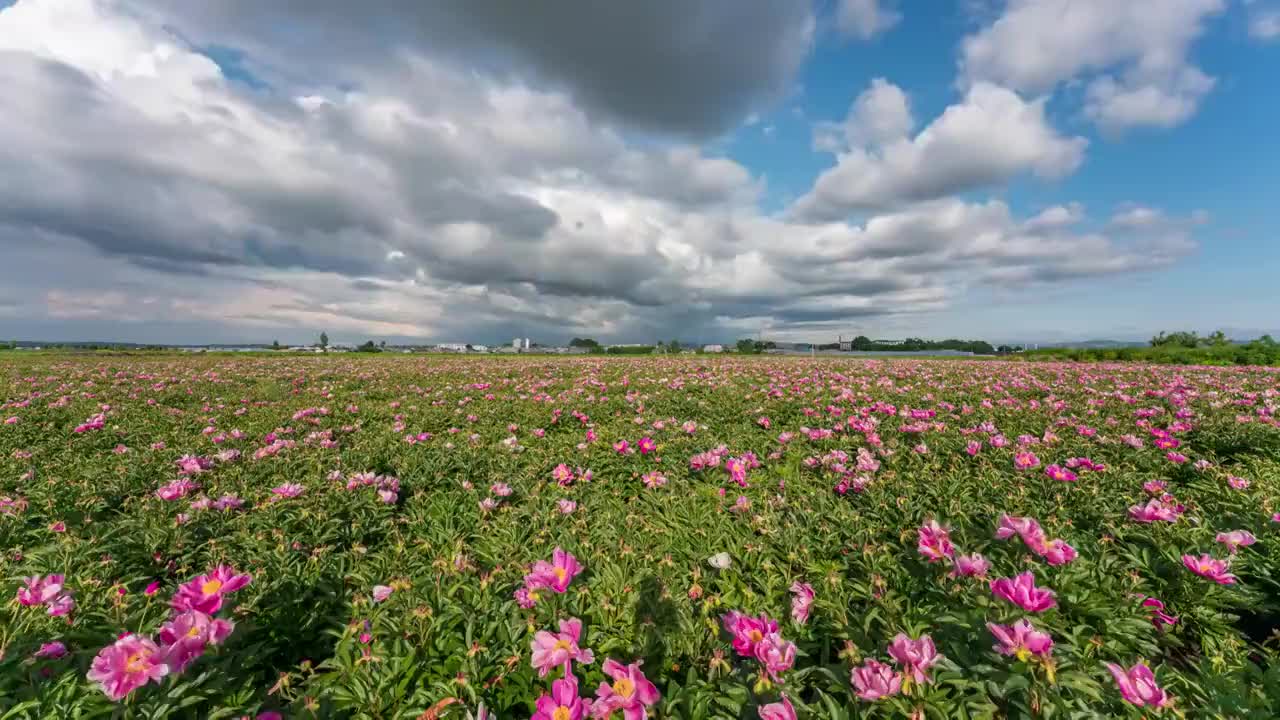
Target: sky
x=477, y=170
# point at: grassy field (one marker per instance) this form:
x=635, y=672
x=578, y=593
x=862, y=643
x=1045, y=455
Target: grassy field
x=683, y=537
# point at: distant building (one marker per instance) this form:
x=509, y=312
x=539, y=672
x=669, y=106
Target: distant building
x=888, y=342
x=452, y=347
x=526, y=343
x=515, y=343
x=713, y=348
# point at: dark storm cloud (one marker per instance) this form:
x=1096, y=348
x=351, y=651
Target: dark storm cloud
x=691, y=68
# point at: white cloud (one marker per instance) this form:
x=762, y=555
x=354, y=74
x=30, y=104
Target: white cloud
x=989, y=137
x=865, y=18
x=147, y=192
x=1264, y=24
x=1134, y=55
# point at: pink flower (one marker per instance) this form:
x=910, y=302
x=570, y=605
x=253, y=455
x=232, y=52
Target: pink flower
x=49, y=591
x=382, y=592
x=775, y=655
x=915, y=657
x=1138, y=685
x=11, y=420
x=875, y=680
x=526, y=598
x=646, y=445
x=204, y=593
x=287, y=490
x=1236, y=539
x=622, y=447
x=566, y=506
x=973, y=448
x=1057, y=552
x=556, y=574
x=176, y=489
x=781, y=710
x=562, y=474
x=1153, y=511
x=563, y=703
x=974, y=565
x=631, y=692
x=1059, y=473
x=1207, y=566
x=552, y=650
x=1021, y=640
x=653, y=480
x=1237, y=483
x=1022, y=591
x=127, y=665
x=934, y=542
x=1025, y=460
x=185, y=636
x=1024, y=527
x=747, y=631
x=55, y=650
x=1158, y=615
x=801, y=601
x=152, y=588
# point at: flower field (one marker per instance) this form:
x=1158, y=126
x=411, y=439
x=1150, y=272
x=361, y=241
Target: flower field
x=684, y=537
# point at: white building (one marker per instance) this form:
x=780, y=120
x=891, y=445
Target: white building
x=515, y=343
x=712, y=348
x=526, y=343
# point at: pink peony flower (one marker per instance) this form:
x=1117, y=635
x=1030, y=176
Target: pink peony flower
x=646, y=445
x=49, y=591
x=382, y=592
x=775, y=655
x=566, y=506
x=551, y=650
x=287, y=490
x=915, y=657
x=1059, y=473
x=1021, y=640
x=1022, y=591
x=1236, y=539
x=185, y=637
x=974, y=565
x=55, y=650
x=1025, y=460
x=934, y=543
x=562, y=474
x=556, y=574
x=1158, y=615
x=204, y=593
x=128, y=664
x=875, y=680
x=1138, y=685
x=1153, y=511
x=562, y=703
x=781, y=710
x=747, y=631
x=631, y=692
x=1207, y=566
x=801, y=601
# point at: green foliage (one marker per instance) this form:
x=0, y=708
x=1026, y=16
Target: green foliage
x=1188, y=350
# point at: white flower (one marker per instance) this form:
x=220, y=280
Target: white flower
x=720, y=561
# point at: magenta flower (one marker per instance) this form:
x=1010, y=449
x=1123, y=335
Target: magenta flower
x=566, y=506
x=934, y=543
x=562, y=703
x=382, y=592
x=646, y=445
x=128, y=664
x=1138, y=685
x=801, y=601
x=1207, y=566
x=631, y=692
x=1158, y=615
x=1022, y=591
x=974, y=565
x=562, y=474
x=622, y=447
x=653, y=480
x=185, y=637
x=1024, y=527
x=1057, y=552
x=1236, y=539
x=556, y=574
x=551, y=650
x=204, y=593
x=875, y=680
x=1059, y=473
x=915, y=657
x=747, y=631
x=781, y=710
x=1021, y=640
x=287, y=490
x=1025, y=460
x=775, y=655
x=55, y=650
x=49, y=591
x=1153, y=511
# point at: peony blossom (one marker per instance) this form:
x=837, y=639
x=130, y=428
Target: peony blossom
x=915, y=657
x=126, y=665
x=631, y=692
x=801, y=601
x=1236, y=539
x=875, y=680
x=551, y=650
x=974, y=565
x=780, y=710
x=747, y=631
x=186, y=636
x=1158, y=615
x=1022, y=591
x=775, y=655
x=1207, y=566
x=556, y=574
x=49, y=591
x=934, y=542
x=382, y=592
x=204, y=593
x=562, y=703
x=1021, y=640
x=1138, y=685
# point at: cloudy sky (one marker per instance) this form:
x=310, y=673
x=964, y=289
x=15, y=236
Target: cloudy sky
x=240, y=170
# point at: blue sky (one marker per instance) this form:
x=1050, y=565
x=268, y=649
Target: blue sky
x=1035, y=170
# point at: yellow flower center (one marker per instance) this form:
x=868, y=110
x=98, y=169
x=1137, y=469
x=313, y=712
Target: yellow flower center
x=1022, y=654
x=755, y=635
x=193, y=632
x=561, y=713
x=560, y=573
x=562, y=644
x=136, y=663
x=624, y=687
x=211, y=587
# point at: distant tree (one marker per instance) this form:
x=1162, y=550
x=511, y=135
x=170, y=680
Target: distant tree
x=862, y=342
x=383, y=344
x=369, y=347
x=324, y=341
x=674, y=345
x=1264, y=340
x=583, y=342
x=660, y=347
x=747, y=346
x=469, y=346
x=275, y=344
x=1217, y=337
